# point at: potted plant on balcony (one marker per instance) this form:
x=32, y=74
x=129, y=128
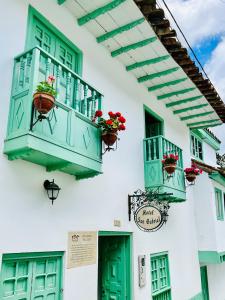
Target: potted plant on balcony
x=170, y=162
x=110, y=126
x=192, y=172
x=44, y=97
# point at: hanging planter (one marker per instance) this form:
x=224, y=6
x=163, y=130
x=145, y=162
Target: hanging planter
x=110, y=127
x=192, y=172
x=109, y=138
x=169, y=163
x=190, y=177
x=43, y=102
x=44, y=97
x=170, y=168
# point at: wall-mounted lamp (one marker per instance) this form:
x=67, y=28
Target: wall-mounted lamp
x=52, y=189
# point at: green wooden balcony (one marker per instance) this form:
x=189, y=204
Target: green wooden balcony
x=155, y=176
x=69, y=141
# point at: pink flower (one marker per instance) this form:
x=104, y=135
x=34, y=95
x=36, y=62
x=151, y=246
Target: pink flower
x=51, y=79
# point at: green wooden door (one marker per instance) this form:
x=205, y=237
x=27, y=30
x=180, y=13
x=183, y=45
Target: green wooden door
x=43, y=37
x=204, y=280
x=31, y=278
x=43, y=34
x=113, y=268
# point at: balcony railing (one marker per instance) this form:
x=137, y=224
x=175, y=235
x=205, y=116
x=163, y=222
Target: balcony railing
x=69, y=141
x=155, y=176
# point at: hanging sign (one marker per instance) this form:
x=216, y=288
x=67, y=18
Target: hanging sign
x=149, y=208
x=148, y=218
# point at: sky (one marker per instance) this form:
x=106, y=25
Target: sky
x=203, y=23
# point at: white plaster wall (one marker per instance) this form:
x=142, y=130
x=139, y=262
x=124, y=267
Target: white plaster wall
x=209, y=154
x=216, y=281
x=205, y=213
x=219, y=224
x=29, y=223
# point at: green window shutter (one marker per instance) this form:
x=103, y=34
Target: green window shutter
x=196, y=147
x=31, y=276
x=219, y=205
x=42, y=33
x=15, y=280
x=66, y=55
x=160, y=277
x=42, y=37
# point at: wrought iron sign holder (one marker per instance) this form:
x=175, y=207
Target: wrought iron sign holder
x=150, y=208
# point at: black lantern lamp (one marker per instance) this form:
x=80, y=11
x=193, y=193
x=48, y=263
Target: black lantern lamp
x=52, y=189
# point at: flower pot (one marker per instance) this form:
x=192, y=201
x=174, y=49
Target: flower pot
x=43, y=102
x=170, y=168
x=109, y=138
x=190, y=177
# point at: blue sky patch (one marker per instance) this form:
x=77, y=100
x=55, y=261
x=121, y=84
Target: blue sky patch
x=204, y=49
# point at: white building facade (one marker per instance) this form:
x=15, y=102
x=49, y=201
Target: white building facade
x=40, y=38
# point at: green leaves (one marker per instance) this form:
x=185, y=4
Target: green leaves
x=45, y=87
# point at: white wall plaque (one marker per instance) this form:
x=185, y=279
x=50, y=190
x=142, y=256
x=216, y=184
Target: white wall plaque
x=82, y=248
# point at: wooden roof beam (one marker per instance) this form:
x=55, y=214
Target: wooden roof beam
x=119, y=30
x=99, y=11
x=133, y=46
x=197, y=115
x=176, y=93
x=157, y=75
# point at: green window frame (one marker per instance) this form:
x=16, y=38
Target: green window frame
x=219, y=204
x=196, y=147
x=31, y=275
x=160, y=276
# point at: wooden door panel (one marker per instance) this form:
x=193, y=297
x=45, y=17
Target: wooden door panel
x=113, y=268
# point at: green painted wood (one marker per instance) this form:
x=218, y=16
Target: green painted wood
x=179, y=111
x=208, y=138
x=28, y=276
x=114, y=267
x=157, y=75
x=204, y=283
x=203, y=122
x=111, y=34
x=179, y=102
x=60, y=2
x=162, y=85
x=216, y=176
x=160, y=276
x=154, y=149
x=219, y=204
x=70, y=141
x=41, y=33
x=176, y=93
x=196, y=115
x=147, y=62
x=99, y=11
x=207, y=126
x=133, y=46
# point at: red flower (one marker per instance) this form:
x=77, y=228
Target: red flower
x=51, y=79
x=109, y=122
x=122, y=127
x=122, y=119
x=118, y=114
x=98, y=113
